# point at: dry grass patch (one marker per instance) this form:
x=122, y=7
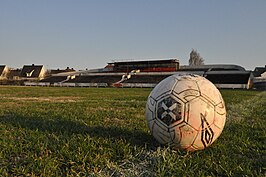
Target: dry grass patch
x=45, y=99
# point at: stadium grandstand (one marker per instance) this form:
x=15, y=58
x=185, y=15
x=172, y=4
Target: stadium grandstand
x=55, y=79
x=224, y=76
x=149, y=73
x=168, y=65
x=217, y=67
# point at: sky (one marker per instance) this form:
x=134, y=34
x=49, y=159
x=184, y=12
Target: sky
x=88, y=34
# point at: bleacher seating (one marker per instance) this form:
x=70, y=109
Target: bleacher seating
x=54, y=79
x=145, y=78
x=227, y=78
x=109, y=79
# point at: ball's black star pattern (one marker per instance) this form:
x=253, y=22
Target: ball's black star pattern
x=169, y=111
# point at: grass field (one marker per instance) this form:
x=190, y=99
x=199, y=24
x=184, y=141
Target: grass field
x=47, y=131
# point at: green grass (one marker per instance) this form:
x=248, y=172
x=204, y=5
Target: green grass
x=47, y=131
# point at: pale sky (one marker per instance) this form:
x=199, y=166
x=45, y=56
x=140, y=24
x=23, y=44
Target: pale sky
x=89, y=33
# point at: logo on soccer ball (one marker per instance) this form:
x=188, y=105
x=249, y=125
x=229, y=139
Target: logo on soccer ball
x=169, y=111
x=207, y=133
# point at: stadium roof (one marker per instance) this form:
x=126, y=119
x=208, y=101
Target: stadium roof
x=259, y=70
x=217, y=67
x=174, y=60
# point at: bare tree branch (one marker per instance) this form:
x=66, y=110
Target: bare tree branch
x=195, y=59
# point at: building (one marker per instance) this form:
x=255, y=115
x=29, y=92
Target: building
x=223, y=75
x=258, y=71
x=57, y=71
x=168, y=65
x=14, y=74
x=260, y=78
x=9, y=76
x=32, y=72
x=216, y=67
x=3, y=72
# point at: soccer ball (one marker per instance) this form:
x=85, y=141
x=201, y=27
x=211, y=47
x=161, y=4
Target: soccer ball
x=185, y=112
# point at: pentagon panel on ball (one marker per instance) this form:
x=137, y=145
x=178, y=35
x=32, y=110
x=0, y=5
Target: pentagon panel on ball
x=185, y=112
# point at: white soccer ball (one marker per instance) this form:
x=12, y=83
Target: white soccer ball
x=185, y=112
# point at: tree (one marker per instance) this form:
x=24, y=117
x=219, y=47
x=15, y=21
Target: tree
x=195, y=58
